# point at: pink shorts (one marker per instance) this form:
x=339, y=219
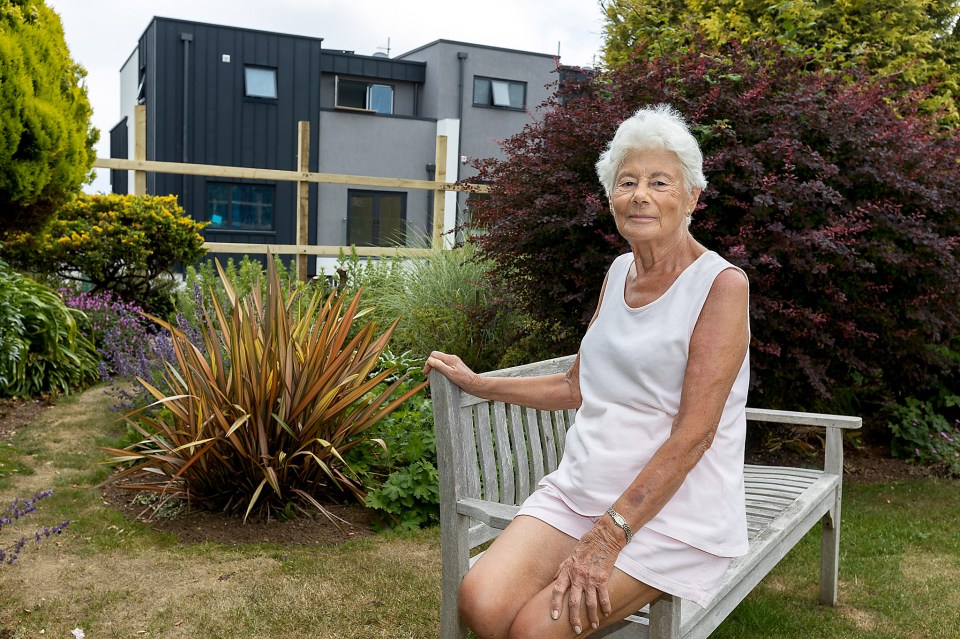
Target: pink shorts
x=662, y=562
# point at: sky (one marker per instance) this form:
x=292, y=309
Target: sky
x=101, y=34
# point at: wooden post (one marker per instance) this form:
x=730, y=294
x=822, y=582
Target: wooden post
x=440, y=196
x=140, y=147
x=830, y=535
x=303, y=195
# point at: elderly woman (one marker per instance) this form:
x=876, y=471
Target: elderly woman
x=649, y=495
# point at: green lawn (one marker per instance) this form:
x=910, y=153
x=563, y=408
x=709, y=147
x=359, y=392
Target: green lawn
x=899, y=571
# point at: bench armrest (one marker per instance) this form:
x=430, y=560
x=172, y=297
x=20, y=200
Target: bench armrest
x=833, y=455
x=491, y=513
x=803, y=419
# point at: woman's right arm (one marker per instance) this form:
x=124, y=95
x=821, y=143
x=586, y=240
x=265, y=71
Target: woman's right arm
x=544, y=392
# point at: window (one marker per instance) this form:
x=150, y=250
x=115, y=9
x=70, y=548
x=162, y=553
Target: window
x=376, y=218
x=499, y=93
x=240, y=207
x=355, y=94
x=260, y=83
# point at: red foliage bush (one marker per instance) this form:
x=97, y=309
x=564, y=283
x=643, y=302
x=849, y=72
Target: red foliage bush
x=832, y=191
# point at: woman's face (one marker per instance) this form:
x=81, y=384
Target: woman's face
x=649, y=200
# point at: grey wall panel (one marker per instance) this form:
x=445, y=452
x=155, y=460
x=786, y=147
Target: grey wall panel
x=363, y=144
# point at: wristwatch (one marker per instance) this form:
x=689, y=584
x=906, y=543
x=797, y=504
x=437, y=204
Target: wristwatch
x=620, y=521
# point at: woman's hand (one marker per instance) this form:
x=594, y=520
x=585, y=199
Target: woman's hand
x=585, y=574
x=453, y=368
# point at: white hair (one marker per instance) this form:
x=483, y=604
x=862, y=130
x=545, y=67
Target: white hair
x=658, y=127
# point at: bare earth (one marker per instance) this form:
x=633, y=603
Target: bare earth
x=869, y=464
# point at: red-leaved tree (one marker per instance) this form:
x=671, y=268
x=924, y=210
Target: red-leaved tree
x=836, y=196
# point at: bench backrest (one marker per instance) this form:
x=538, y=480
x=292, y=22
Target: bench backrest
x=506, y=449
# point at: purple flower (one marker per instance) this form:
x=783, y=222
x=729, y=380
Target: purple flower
x=19, y=509
x=946, y=437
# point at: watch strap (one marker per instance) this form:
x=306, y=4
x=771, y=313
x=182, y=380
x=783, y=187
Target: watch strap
x=621, y=522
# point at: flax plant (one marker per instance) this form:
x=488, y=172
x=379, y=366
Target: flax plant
x=260, y=415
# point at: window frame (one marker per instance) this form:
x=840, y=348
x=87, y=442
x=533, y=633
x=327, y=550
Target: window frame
x=376, y=240
x=368, y=95
x=495, y=86
x=228, y=224
x=260, y=97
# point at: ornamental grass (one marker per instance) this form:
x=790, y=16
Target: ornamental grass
x=261, y=413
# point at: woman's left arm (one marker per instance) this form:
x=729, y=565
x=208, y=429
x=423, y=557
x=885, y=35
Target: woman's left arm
x=717, y=347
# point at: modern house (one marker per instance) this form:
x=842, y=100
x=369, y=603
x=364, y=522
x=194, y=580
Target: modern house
x=231, y=96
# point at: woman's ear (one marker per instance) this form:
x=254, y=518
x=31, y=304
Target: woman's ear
x=694, y=198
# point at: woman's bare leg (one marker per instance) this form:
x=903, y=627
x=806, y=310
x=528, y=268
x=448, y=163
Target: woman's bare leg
x=521, y=562
x=627, y=596
x=507, y=592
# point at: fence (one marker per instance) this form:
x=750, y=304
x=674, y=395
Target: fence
x=303, y=177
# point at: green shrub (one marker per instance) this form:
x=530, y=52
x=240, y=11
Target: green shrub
x=402, y=473
x=850, y=248
x=41, y=348
x=202, y=283
x=928, y=431
x=261, y=414
x=445, y=302
x=125, y=244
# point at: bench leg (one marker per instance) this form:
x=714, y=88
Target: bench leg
x=830, y=537
x=455, y=552
x=830, y=555
x=665, y=618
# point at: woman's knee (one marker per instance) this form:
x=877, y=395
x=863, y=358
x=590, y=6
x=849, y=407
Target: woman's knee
x=483, y=606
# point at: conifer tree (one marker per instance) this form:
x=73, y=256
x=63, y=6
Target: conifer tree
x=46, y=139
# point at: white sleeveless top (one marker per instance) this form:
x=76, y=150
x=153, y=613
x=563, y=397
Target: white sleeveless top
x=632, y=365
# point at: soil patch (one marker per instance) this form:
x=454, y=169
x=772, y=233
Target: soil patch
x=16, y=413
x=347, y=522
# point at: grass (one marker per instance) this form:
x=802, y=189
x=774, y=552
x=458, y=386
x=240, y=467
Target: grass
x=900, y=565
x=899, y=571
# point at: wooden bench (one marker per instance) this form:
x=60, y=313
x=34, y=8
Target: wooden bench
x=491, y=456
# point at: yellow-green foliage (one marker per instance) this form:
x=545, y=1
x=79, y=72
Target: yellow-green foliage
x=126, y=244
x=911, y=39
x=46, y=141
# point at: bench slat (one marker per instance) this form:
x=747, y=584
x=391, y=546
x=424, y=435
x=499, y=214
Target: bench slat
x=535, y=445
x=519, y=441
x=779, y=471
x=505, y=459
x=548, y=439
x=488, y=460
x=558, y=418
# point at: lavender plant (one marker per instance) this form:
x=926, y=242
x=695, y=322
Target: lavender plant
x=117, y=329
x=21, y=509
x=129, y=345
